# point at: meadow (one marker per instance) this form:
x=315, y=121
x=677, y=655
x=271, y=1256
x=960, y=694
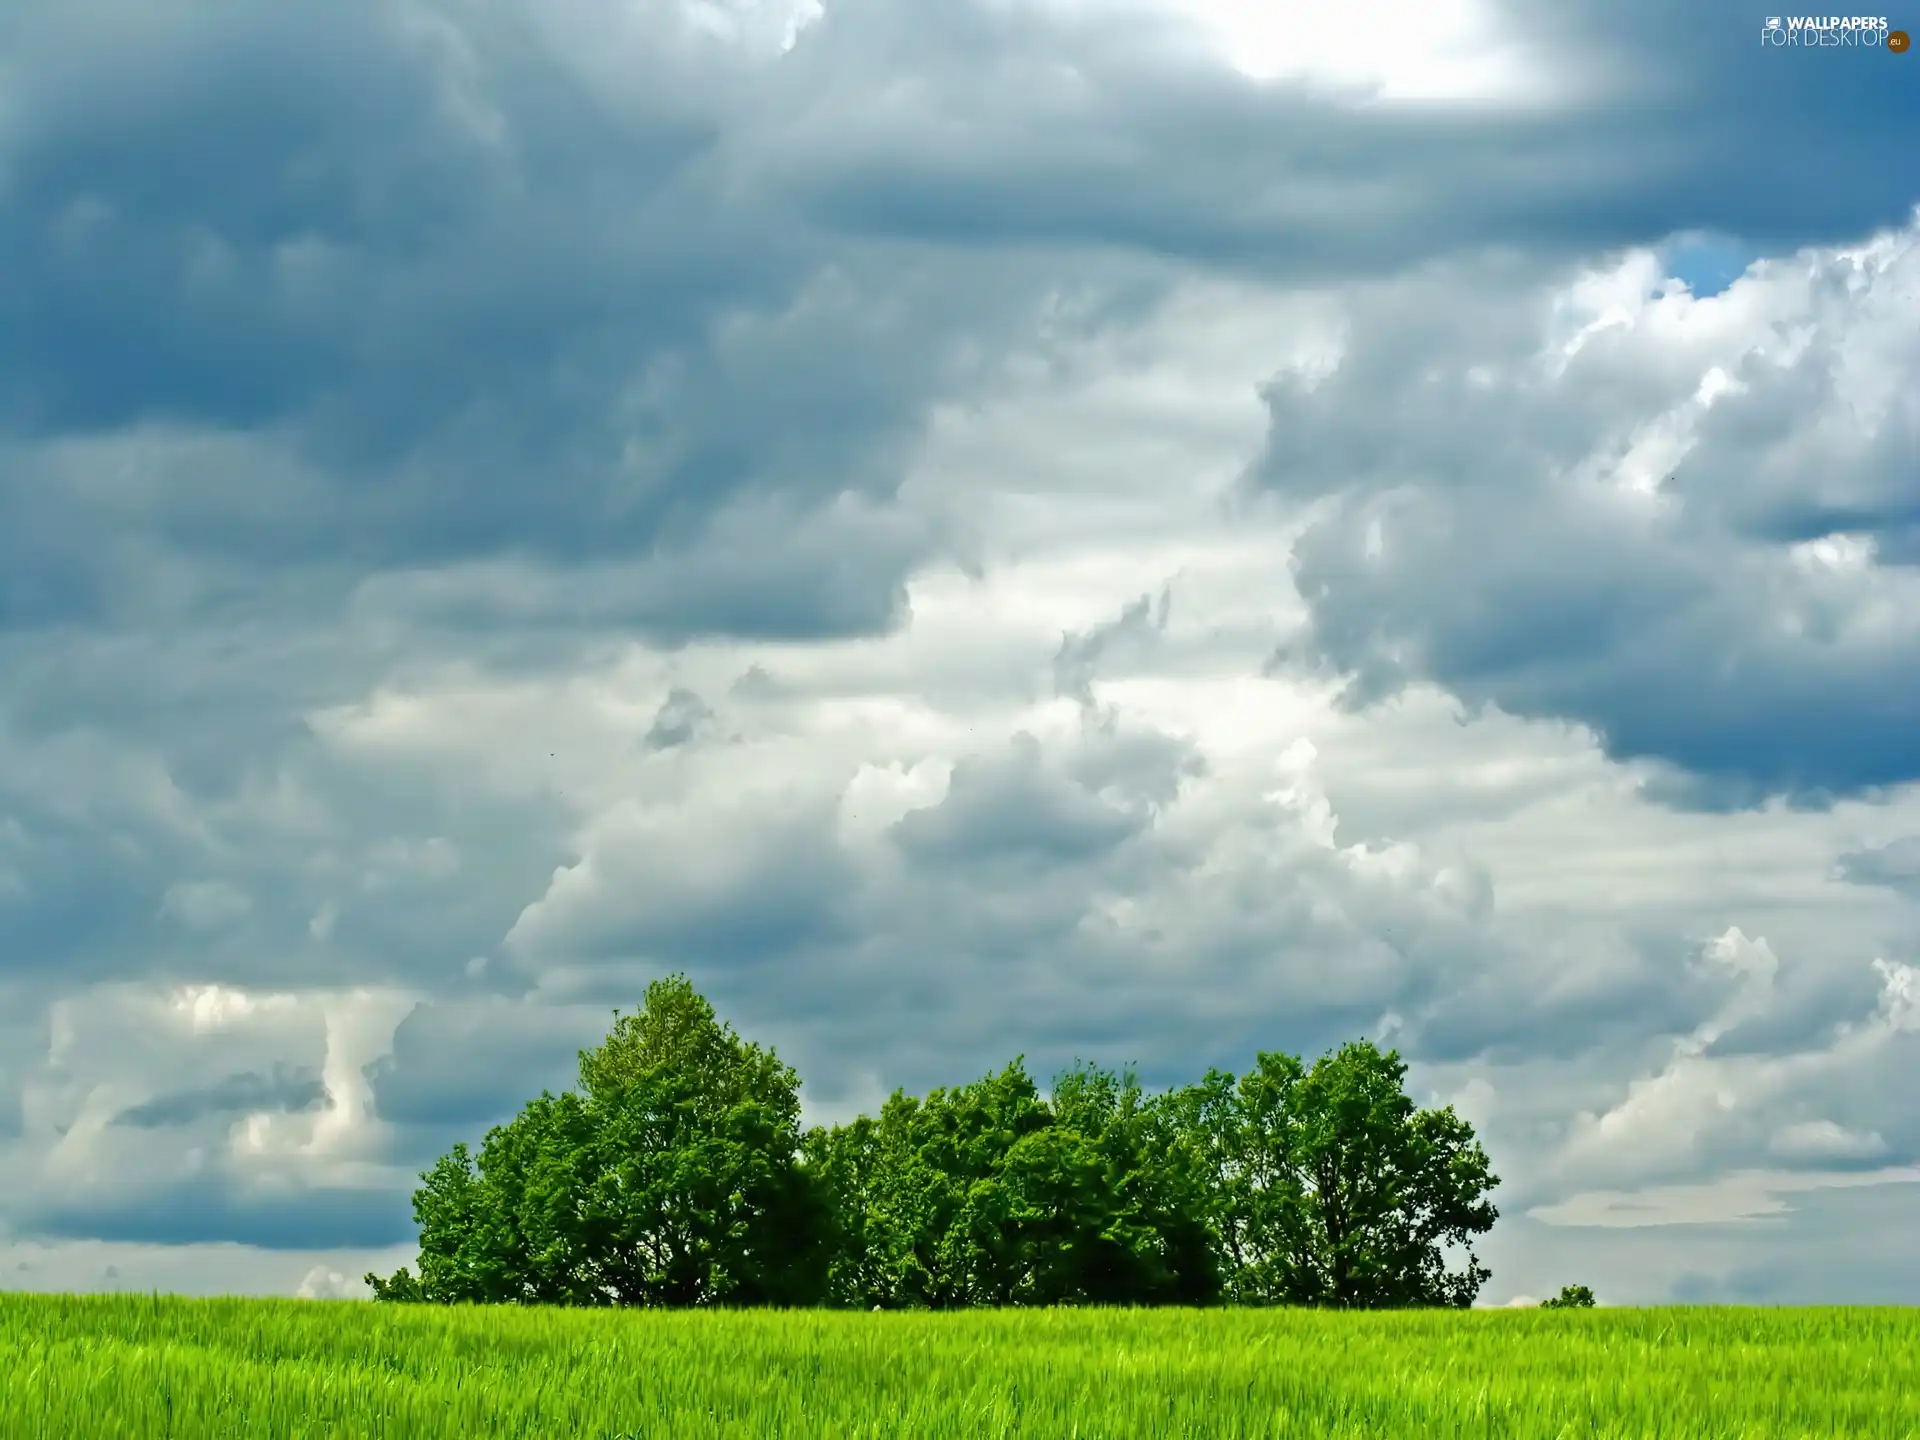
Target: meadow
x=143, y=1366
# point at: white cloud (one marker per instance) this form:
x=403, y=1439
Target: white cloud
x=1397, y=50
x=1701, y=1104
x=1820, y=1141
x=323, y=1283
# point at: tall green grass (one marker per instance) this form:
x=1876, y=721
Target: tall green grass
x=85, y=1366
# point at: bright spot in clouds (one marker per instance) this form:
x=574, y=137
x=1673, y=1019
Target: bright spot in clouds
x=1399, y=50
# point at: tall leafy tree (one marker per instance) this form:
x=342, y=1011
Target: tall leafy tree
x=1330, y=1188
x=1391, y=1187
x=698, y=1187
x=675, y=1181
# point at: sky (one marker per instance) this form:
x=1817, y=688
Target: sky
x=1145, y=532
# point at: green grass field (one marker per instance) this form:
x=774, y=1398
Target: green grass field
x=82, y=1366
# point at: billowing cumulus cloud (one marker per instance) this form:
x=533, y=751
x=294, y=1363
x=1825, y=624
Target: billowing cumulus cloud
x=1137, y=532
x=1687, y=523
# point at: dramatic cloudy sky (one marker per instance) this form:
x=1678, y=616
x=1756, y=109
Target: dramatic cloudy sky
x=1146, y=531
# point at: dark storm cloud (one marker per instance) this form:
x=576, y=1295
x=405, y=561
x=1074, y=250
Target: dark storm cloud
x=682, y=715
x=776, y=569
x=1817, y=160
x=465, y=307
x=1895, y=865
x=1566, y=1011
x=736, y=885
x=297, y=221
x=474, y=291
x=473, y=1064
x=286, y=1091
x=1085, y=133
x=112, y=854
x=213, y=1208
x=1813, y=1003
x=470, y=292
x=1014, y=807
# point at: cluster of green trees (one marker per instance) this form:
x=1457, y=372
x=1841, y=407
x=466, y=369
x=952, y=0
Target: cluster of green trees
x=680, y=1176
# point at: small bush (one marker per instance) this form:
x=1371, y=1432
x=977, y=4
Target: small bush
x=1571, y=1297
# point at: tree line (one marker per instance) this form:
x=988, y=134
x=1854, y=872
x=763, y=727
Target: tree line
x=679, y=1175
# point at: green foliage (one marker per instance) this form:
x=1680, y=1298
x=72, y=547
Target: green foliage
x=1150, y=1241
x=925, y=1195
x=1571, y=1297
x=988, y=1195
x=1328, y=1188
x=1254, y=1203
x=1387, y=1188
x=675, y=1182
x=679, y=1178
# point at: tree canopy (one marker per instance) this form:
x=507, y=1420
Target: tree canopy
x=679, y=1176
x=1571, y=1297
x=675, y=1181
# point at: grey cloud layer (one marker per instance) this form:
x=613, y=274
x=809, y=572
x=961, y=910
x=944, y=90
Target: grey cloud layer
x=245, y=1093
x=1895, y=864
